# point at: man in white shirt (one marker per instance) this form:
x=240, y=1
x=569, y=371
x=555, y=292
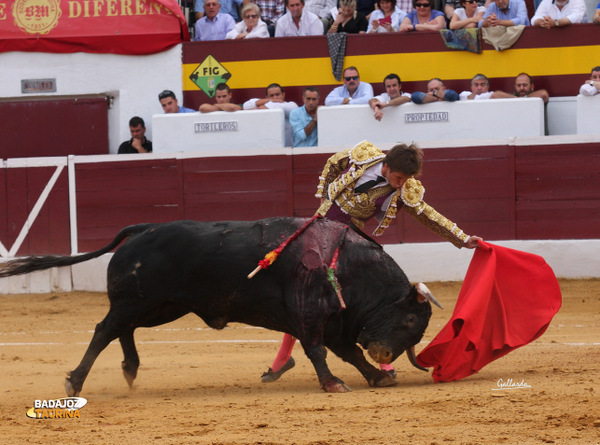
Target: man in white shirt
x=480, y=89
x=558, y=13
x=393, y=95
x=298, y=22
x=352, y=92
x=591, y=87
x=275, y=100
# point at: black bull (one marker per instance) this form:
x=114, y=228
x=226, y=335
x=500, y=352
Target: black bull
x=165, y=271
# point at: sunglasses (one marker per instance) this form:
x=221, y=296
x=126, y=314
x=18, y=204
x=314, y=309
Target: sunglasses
x=255, y=16
x=348, y=79
x=422, y=5
x=470, y=1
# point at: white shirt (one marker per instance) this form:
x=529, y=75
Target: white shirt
x=309, y=25
x=287, y=107
x=321, y=8
x=397, y=17
x=385, y=97
x=462, y=13
x=588, y=90
x=259, y=31
x=575, y=11
x=465, y=95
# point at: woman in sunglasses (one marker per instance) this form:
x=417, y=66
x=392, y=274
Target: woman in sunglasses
x=468, y=16
x=387, y=18
x=423, y=18
x=251, y=26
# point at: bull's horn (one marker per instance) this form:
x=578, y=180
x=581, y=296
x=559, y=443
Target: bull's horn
x=427, y=295
x=410, y=352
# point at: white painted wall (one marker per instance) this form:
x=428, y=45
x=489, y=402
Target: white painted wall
x=213, y=131
x=420, y=261
x=588, y=110
x=562, y=115
x=133, y=81
x=465, y=119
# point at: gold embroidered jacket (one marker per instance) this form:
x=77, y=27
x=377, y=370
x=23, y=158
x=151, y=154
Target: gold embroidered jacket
x=338, y=180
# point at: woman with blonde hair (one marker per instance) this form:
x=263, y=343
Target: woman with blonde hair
x=251, y=25
x=348, y=19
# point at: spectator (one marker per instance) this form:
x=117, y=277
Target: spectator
x=386, y=18
x=275, y=100
x=596, y=18
x=348, y=19
x=227, y=7
x=366, y=7
x=505, y=13
x=468, y=16
x=353, y=91
x=303, y=120
x=559, y=13
x=214, y=25
x=138, y=142
x=436, y=91
x=480, y=89
x=223, y=99
x=523, y=88
x=322, y=9
x=298, y=22
x=392, y=97
x=405, y=5
x=169, y=104
x=271, y=11
x=453, y=5
x=423, y=18
x=591, y=87
x=251, y=26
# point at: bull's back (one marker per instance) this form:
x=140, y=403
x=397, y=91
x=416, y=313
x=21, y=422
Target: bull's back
x=203, y=266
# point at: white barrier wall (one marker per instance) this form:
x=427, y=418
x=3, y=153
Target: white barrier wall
x=434, y=121
x=132, y=81
x=420, y=261
x=218, y=130
x=562, y=115
x=588, y=110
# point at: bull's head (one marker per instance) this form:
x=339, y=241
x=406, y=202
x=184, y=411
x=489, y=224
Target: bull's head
x=400, y=328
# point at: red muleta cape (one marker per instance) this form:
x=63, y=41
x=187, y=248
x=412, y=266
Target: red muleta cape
x=507, y=300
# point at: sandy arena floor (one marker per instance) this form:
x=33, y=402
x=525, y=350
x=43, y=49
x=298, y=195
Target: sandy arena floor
x=198, y=385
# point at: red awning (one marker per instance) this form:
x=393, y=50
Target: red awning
x=132, y=27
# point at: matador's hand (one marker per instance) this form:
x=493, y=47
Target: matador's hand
x=472, y=242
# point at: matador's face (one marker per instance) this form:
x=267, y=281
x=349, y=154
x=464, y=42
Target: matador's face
x=395, y=179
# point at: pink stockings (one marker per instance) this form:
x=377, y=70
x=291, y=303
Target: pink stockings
x=285, y=352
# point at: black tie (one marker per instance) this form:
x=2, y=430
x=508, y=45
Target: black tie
x=369, y=184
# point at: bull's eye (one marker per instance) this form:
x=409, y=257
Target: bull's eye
x=410, y=319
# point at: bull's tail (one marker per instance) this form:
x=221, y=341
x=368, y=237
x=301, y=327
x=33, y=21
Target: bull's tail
x=31, y=264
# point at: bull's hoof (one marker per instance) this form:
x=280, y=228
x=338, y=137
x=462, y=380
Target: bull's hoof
x=71, y=391
x=335, y=385
x=391, y=373
x=385, y=379
x=129, y=373
x=271, y=376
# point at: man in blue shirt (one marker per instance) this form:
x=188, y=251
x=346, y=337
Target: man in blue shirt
x=505, y=13
x=169, y=104
x=214, y=25
x=353, y=92
x=227, y=7
x=304, y=119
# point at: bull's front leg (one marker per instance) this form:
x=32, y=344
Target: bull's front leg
x=330, y=383
x=352, y=354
